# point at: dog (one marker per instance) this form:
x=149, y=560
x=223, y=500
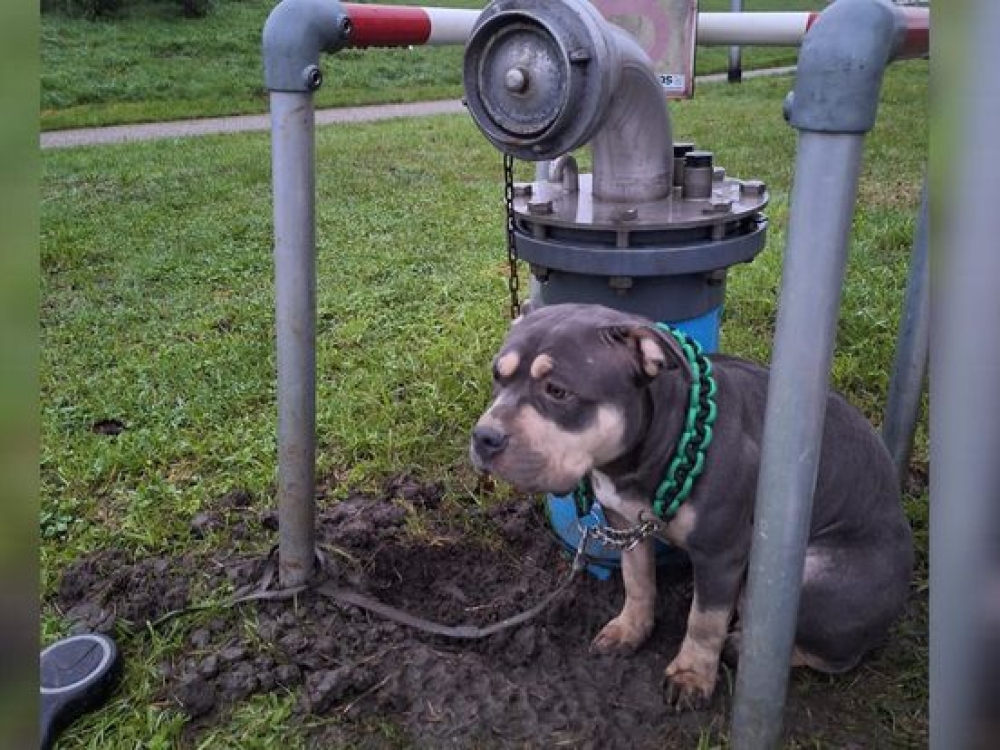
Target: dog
x=584, y=391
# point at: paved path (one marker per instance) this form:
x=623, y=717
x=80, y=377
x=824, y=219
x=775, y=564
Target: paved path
x=255, y=123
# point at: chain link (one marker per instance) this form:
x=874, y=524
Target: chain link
x=513, y=282
x=621, y=539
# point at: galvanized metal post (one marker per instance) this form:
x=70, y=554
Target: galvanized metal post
x=294, y=35
x=293, y=174
x=833, y=105
x=826, y=173
x=735, y=52
x=912, y=345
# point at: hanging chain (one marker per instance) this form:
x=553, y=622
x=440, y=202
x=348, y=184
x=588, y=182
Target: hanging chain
x=513, y=282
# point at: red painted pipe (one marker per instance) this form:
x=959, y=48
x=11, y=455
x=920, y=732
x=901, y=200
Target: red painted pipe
x=918, y=34
x=387, y=25
x=403, y=26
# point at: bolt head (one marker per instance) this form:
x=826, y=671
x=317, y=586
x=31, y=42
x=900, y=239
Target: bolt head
x=753, y=188
x=539, y=207
x=788, y=106
x=718, y=205
x=516, y=80
x=312, y=77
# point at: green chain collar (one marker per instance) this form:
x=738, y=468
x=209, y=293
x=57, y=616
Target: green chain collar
x=688, y=460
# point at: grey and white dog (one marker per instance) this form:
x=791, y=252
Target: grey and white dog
x=583, y=390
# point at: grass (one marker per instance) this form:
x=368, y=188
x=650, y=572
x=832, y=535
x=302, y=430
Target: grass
x=150, y=64
x=157, y=311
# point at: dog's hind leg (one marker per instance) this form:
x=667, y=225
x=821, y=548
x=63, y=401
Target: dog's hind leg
x=850, y=598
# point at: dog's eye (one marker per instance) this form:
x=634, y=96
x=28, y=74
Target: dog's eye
x=555, y=392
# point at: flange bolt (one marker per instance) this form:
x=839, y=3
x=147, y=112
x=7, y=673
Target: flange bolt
x=539, y=207
x=312, y=76
x=680, y=151
x=752, y=188
x=698, y=174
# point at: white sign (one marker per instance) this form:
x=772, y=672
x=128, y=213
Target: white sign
x=666, y=31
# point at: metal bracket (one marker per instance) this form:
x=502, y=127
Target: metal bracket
x=294, y=35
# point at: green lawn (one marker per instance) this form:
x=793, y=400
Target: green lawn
x=157, y=311
x=151, y=64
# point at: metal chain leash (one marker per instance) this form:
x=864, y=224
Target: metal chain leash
x=603, y=533
x=513, y=282
x=623, y=540
x=263, y=591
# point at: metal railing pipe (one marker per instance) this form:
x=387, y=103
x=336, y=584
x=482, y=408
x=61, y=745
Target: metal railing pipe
x=826, y=171
x=292, y=149
x=403, y=26
x=833, y=105
x=780, y=29
x=909, y=370
x=735, y=52
x=788, y=28
x=295, y=34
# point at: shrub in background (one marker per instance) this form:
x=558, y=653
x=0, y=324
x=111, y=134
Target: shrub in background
x=87, y=8
x=94, y=9
x=195, y=8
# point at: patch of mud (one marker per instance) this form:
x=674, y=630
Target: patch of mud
x=107, y=587
x=536, y=685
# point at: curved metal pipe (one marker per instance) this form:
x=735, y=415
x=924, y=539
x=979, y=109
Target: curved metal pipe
x=633, y=148
x=295, y=33
x=544, y=77
x=565, y=171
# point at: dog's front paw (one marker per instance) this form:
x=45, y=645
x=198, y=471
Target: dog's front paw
x=622, y=636
x=687, y=689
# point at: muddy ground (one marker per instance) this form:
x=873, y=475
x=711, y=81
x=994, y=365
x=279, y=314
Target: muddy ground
x=388, y=685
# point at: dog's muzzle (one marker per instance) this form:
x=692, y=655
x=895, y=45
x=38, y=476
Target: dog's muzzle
x=487, y=444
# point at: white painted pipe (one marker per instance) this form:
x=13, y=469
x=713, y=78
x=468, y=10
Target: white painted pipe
x=753, y=29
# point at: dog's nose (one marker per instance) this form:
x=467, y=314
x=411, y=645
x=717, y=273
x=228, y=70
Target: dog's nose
x=489, y=441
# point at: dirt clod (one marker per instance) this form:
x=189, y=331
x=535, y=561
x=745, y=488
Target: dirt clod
x=196, y=695
x=109, y=427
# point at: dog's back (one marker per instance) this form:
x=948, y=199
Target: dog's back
x=860, y=554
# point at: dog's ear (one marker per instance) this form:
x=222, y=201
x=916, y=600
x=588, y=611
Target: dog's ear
x=655, y=350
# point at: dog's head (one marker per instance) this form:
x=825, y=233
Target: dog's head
x=570, y=388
